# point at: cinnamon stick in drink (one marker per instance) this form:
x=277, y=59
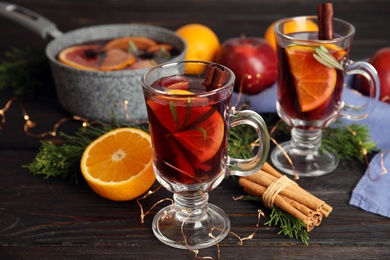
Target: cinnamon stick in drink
x=325, y=21
x=215, y=77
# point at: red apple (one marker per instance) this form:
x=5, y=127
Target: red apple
x=381, y=62
x=253, y=61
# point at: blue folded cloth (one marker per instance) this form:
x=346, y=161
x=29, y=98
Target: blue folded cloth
x=372, y=192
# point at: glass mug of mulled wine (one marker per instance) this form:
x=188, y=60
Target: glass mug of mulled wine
x=310, y=85
x=189, y=111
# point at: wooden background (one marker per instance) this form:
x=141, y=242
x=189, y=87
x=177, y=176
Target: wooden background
x=228, y=18
x=51, y=219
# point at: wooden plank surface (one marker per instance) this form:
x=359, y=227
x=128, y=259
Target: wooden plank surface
x=51, y=219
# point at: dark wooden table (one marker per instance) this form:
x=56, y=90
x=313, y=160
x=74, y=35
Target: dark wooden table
x=51, y=219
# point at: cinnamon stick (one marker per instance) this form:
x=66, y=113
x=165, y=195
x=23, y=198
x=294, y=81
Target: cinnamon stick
x=257, y=190
x=302, y=208
x=325, y=21
x=215, y=77
x=277, y=189
x=326, y=209
x=295, y=192
x=271, y=170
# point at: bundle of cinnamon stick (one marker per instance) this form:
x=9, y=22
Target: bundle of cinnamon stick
x=277, y=189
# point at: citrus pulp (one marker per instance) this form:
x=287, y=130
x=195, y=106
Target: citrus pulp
x=118, y=164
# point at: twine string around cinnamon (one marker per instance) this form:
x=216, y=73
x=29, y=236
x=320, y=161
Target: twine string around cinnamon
x=274, y=189
x=277, y=189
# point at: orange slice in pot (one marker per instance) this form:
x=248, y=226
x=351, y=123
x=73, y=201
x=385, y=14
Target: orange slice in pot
x=123, y=43
x=116, y=59
x=85, y=57
x=93, y=57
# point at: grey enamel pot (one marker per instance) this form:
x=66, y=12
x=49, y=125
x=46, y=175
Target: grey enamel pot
x=96, y=95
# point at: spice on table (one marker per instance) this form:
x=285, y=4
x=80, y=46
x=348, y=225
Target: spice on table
x=277, y=189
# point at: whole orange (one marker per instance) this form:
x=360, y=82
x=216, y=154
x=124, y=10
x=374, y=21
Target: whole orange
x=298, y=25
x=202, y=42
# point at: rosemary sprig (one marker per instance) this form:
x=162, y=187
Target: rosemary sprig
x=323, y=56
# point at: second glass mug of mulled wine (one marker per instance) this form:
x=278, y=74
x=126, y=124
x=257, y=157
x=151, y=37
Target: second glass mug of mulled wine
x=310, y=85
x=190, y=114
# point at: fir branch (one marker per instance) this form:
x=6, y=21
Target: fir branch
x=289, y=226
x=241, y=141
x=25, y=72
x=64, y=160
x=347, y=142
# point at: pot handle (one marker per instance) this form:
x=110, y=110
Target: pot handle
x=29, y=19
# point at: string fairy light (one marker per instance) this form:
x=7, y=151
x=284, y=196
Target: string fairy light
x=29, y=124
x=196, y=253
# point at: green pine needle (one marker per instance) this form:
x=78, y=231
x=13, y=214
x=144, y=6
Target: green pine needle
x=242, y=142
x=348, y=141
x=64, y=160
x=25, y=72
x=289, y=225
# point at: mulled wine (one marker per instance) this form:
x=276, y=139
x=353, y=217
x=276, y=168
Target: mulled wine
x=188, y=104
x=302, y=90
x=188, y=137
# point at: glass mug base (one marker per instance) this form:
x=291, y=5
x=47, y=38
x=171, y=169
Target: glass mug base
x=306, y=165
x=170, y=228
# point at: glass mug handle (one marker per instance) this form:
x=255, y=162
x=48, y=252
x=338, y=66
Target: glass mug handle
x=244, y=167
x=358, y=112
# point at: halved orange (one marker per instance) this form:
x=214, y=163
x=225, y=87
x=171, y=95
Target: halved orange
x=118, y=164
x=314, y=82
x=123, y=43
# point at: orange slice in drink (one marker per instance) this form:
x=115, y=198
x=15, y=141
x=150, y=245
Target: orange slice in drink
x=203, y=139
x=198, y=127
x=118, y=164
x=314, y=82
